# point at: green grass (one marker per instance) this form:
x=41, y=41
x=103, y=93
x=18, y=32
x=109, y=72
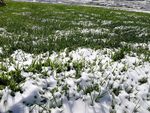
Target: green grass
x=37, y=27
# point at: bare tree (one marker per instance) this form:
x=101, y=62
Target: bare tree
x=2, y=3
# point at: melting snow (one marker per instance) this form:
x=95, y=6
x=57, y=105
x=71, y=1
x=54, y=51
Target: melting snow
x=102, y=87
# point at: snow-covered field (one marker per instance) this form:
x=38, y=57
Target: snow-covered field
x=69, y=59
x=79, y=81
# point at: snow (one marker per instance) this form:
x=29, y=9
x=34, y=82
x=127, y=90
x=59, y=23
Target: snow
x=1, y=50
x=106, y=22
x=103, y=83
x=95, y=31
x=130, y=5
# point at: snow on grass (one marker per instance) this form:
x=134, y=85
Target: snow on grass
x=36, y=28
x=1, y=50
x=65, y=33
x=2, y=30
x=145, y=46
x=23, y=13
x=106, y=22
x=75, y=80
x=95, y=31
x=84, y=23
x=83, y=80
x=5, y=33
x=141, y=45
